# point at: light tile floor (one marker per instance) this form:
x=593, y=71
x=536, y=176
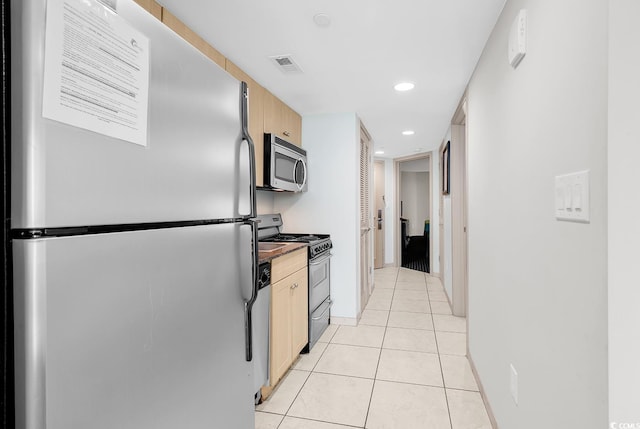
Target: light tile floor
x=403, y=366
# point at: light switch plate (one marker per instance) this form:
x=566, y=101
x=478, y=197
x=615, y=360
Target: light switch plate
x=518, y=39
x=572, y=197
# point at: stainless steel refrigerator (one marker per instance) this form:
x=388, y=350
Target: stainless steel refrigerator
x=134, y=262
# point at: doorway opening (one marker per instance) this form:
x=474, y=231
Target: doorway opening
x=413, y=202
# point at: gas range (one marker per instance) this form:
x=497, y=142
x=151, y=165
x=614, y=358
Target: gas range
x=269, y=227
x=319, y=271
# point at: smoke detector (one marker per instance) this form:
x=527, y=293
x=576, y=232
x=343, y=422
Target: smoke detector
x=286, y=63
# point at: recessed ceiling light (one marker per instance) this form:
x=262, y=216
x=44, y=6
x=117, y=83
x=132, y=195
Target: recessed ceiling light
x=379, y=152
x=408, y=133
x=322, y=20
x=404, y=86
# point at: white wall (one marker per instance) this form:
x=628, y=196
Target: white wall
x=537, y=286
x=624, y=206
x=331, y=204
x=447, y=275
x=414, y=190
x=265, y=202
x=434, y=234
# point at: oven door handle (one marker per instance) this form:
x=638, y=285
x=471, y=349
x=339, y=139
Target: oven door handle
x=324, y=312
x=321, y=260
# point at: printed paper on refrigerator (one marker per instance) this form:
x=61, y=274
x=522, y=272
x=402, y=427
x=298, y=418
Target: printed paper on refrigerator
x=96, y=70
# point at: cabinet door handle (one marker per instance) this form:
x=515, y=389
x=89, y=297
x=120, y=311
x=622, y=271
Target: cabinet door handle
x=295, y=285
x=286, y=133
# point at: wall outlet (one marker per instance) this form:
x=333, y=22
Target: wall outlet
x=514, y=384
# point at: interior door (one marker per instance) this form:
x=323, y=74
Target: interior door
x=379, y=214
x=366, y=259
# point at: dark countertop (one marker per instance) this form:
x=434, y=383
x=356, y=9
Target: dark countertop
x=264, y=256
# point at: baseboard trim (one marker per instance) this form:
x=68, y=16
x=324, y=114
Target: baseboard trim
x=487, y=405
x=348, y=321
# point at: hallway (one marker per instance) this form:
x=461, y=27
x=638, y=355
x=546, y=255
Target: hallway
x=403, y=367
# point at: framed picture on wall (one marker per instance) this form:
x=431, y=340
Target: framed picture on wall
x=446, y=163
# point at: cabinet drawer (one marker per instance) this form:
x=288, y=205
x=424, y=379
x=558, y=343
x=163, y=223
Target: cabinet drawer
x=288, y=264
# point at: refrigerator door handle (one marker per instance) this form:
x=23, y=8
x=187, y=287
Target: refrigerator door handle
x=248, y=304
x=244, y=114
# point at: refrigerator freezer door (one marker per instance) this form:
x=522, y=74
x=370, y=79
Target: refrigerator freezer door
x=134, y=330
x=195, y=158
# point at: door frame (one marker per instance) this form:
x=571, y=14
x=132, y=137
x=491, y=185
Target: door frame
x=459, y=210
x=396, y=203
x=378, y=166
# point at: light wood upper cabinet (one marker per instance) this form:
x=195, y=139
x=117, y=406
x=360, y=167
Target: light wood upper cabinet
x=289, y=328
x=190, y=36
x=281, y=120
x=267, y=113
x=256, y=116
x=152, y=7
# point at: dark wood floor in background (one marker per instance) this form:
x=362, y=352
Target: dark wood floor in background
x=415, y=256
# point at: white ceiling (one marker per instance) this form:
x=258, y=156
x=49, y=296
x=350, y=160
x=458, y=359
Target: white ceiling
x=352, y=65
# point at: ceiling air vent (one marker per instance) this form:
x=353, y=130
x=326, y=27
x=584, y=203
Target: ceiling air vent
x=286, y=63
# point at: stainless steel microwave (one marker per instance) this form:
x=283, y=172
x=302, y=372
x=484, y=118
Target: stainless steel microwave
x=285, y=165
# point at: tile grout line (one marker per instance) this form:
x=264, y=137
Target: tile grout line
x=286, y=414
x=322, y=421
x=375, y=375
x=444, y=384
x=294, y=399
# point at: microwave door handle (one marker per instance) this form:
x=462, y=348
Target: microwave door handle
x=295, y=170
x=304, y=167
x=304, y=170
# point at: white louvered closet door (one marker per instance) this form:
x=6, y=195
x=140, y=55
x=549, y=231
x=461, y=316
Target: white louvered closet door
x=366, y=262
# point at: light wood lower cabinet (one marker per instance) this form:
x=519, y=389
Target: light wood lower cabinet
x=299, y=312
x=289, y=313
